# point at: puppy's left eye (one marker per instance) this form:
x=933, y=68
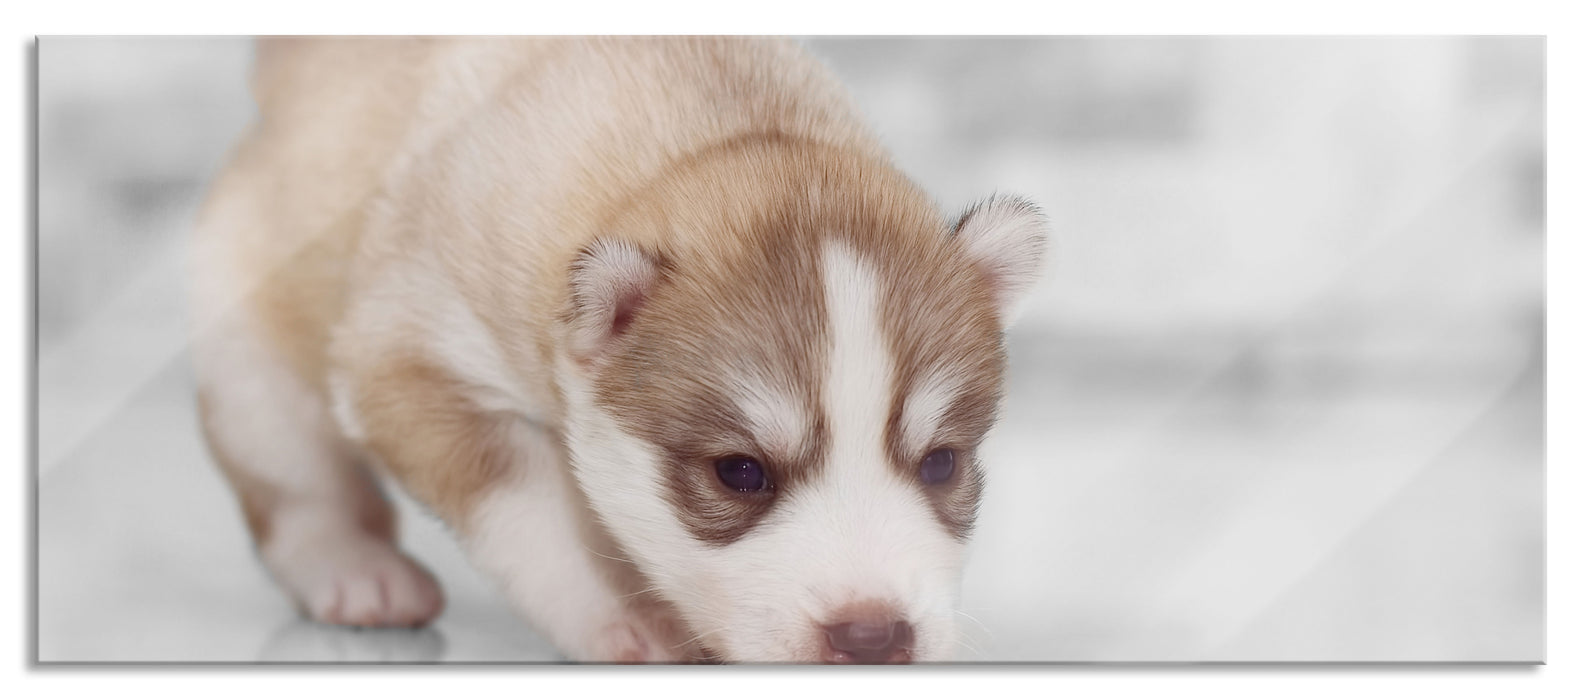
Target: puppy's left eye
x=937, y=466
x=742, y=473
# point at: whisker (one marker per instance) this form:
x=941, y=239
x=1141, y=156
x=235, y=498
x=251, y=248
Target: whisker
x=606, y=556
x=699, y=636
x=645, y=591
x=972, y=648
x=976, y=621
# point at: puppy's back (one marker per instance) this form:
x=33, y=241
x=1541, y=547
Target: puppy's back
x=336, y=118
x=361, y=137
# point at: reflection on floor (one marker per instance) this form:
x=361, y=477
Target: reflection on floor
x=300, y=641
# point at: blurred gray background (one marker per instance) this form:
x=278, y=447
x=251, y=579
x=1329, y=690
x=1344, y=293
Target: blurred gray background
x=1279, y=399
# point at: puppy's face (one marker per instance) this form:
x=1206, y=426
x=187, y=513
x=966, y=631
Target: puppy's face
x=785, y=437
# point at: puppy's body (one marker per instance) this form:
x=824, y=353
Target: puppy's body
x=555, y=289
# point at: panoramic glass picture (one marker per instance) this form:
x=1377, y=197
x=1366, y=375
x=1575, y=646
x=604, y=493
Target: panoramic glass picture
x=806, y=350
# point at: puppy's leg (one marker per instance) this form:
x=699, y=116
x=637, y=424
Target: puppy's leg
x=502, y=482
x=318, y=518
x=535, y=536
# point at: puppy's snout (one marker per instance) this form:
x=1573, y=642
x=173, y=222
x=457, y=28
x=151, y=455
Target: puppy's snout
x=868, y=635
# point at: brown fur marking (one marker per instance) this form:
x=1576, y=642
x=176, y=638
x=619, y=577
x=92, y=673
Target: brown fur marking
x=755, y=303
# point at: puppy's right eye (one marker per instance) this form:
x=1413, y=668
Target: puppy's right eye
x=742, y=473
x=937, y=466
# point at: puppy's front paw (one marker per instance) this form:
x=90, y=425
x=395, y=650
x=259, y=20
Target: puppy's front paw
x=367, y=583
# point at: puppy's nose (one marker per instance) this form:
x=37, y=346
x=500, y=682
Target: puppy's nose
x=869, y=641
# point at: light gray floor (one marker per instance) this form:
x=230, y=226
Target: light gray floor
x=1233, y=433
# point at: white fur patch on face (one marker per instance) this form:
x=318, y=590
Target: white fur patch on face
x=859, y=533
x=925, y=409
x=857, y=389
x=775, y=417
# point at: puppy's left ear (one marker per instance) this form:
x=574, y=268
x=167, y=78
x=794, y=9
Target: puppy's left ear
x=610, y=281
x=1005, y=237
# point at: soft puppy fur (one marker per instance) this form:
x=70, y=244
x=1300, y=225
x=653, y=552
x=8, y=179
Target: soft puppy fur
x=653, y=325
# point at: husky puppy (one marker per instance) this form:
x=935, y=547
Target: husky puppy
x=652, y=324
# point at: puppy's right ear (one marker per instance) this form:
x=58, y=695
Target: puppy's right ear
x=1005, y=238
x=610, y=280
